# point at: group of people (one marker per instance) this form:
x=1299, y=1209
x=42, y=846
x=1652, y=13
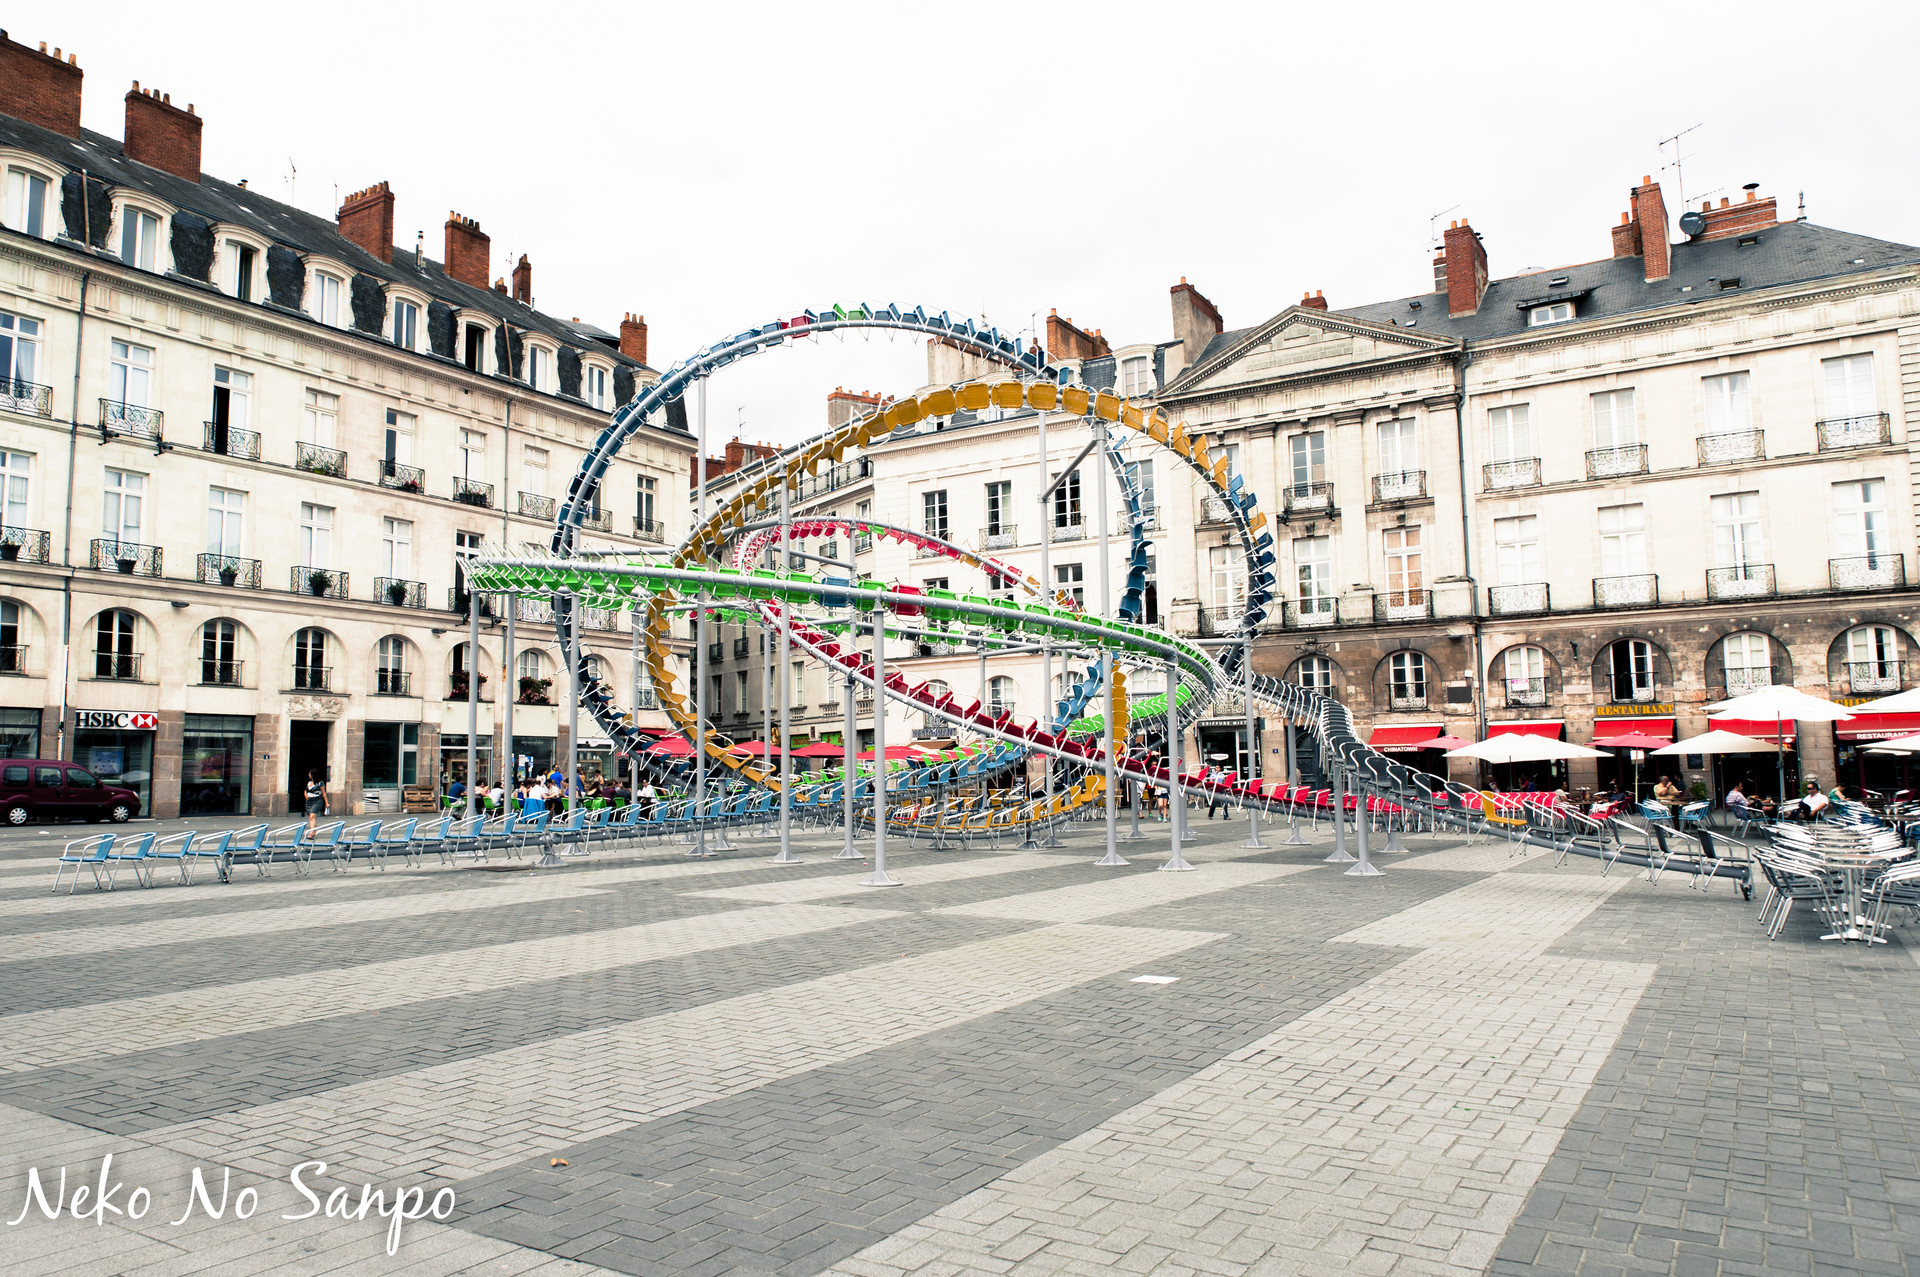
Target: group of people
x=1810, y=806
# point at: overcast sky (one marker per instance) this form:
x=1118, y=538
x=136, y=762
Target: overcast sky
x=714, y=166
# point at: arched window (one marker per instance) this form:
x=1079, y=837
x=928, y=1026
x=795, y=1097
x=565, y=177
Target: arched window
x=1628, y=667
x=1002, y=696
x=310, y=670
x=220, y=654
x=1524, y=672
x=531, y=663
x=113, y=654
x=597, y=670
x=13, y=653
x=1315, y=672
x=390, y=662
x=1407, y=672
x=1748, y=662
x=1873, y=659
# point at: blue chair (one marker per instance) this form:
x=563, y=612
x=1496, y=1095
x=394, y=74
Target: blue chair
x=95, y=853
x=212, y=847
x=360, y=838
x=1694, y=814
x=390, y=840
x=139, y=854
x=326, y=843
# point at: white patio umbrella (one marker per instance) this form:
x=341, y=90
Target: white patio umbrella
x=1781, y=704
x=1720, y=741
x=1517, y=747
x=1898, y=745
x=1907, y=702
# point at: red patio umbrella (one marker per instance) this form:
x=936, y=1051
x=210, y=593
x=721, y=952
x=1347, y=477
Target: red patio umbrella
x=1445, y=742
x=674, y=746
x=819, y=749
x=893, y=752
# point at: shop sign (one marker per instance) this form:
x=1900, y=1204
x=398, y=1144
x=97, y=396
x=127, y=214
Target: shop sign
x=116, y=720
x=1633, y=711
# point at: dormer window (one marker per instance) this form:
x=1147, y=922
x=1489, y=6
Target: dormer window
x=406, y=323
x=27, y=202
x=243, y=261
x=1552, y=313
x=593, y=386
x=539, y=368
x=139, y=238
x=474, y=351
x=326, y=298
x=1136, y=377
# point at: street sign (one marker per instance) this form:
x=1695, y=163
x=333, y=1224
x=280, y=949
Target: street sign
x=116, y=719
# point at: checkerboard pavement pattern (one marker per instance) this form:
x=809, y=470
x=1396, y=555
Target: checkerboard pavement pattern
x=647, y=1064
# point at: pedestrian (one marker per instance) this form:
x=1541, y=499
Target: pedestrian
x=1217, y=794
x=316, y=801
x=647, y=798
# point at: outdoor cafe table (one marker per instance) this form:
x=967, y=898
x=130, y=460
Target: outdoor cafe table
x=1852, y=868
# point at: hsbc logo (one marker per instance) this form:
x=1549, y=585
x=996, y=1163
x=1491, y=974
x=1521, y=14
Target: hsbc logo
x=121, y=719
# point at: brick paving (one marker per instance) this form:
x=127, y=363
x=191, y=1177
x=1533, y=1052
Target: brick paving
x=1476, y=1063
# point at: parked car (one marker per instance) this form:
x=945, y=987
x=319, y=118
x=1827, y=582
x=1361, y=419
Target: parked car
x=53, y=790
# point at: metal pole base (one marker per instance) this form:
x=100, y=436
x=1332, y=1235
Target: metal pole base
x=1253, y=834
x=786, y=857
x=848, y=853
x=1393, y=839
x=1176, y=863
x=720, y=842
x=1111, y=858
x=881, y=878
x=1363, y=870
x=1031, y=844
x=1293, y=834
x=1338, y=857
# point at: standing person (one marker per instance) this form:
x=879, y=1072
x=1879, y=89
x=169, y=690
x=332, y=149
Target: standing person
x=1216, y=796
x=316, y=801
x=647, y=797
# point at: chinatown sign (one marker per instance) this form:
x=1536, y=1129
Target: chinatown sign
x=128, y=720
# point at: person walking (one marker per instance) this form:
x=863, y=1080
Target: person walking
x=316, y=801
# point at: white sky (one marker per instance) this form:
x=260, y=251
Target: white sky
x=715, y=166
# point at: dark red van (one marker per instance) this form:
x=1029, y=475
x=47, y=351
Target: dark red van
x=53, y=790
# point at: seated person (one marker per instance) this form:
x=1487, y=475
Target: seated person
x=1810, y=804
x=1666, y=792
x=1736, y=800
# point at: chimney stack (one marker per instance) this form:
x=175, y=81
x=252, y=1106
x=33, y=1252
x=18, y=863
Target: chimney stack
x=523, y=282
x=469, y=251
x=366, y=218
x=1626, y=237
x=1650, y=215
x=844, y=405
x=633, y=338
x=40, y=88
x=1195, y=320
x=1464, y=269
x=161, y=135
x=1064, y=341
x=1313, y=300
x=1750, y=215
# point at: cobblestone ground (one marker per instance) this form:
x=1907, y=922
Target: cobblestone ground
x=648, y=1064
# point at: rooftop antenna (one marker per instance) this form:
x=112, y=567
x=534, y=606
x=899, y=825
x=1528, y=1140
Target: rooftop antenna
x=1679, y=173
x=293, y=179
x=1803, y=207
x=1433, y=229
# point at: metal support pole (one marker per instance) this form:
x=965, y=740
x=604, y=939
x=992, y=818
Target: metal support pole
x=786, y=856
x=1294, y=838
x=849, y=775
x=700, y=652
x=1049, y=837
x=574, y=659
x=1176, y=800
x=1365, y=868
x=766, y=698
x=510, y=690
x=1253, y=748
x=1111, y=726
x=633, y=757
x=473, y=695
x=1339, y=856
x=880, y=877
x=1179, y=810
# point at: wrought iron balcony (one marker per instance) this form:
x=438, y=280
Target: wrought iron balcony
x=392, y=682
x=650, y=530
x=227, y=569
x=230, y=441
x=1611, y=463
x=1403, y=605
x=646, y=699
x=535, y=506
x=1003, y=537
x=117, y=665
x=400, y=593
x=1405, y=485
x=23, y=545
x=1407, y=699
x=458, y=600
x=716, y=650
x=1867, y=572
x=321, y=583
x=740, y=646
x=1074, y=529
x=1743, y=581
x=220, y=673
x=1304, y=614
x=539, y=611
x=473, y=492
x=599, y=618
x=26, y=397
x=1735, y=445
x=1307, y=498
x=402, y=478
x=1517, y=600
x=130, y=421
x=1873, y=676
x=125, y=557
x=1525, y=692
x=1214, y=509
x=1621, y=692
x=1220, y=622
x=1866, y=431
x=13, y=658
x=1639, y=590
x=1521, y=472
x=312, y=678
x=597, y=520
x=862, y=542
x=840, y=476
x=314, y=459
x=1738, y=682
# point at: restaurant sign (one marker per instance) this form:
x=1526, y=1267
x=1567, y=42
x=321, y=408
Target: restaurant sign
x=116, y=719
x=1633, y=711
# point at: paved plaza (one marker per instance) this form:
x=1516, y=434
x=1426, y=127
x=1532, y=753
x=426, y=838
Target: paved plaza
x=647, y=1064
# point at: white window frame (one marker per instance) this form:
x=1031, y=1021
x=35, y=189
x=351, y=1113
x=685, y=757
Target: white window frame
x=316, y=536
x=1846, y=387
x=16, y=487
x=1516, y=550
x=396, y=547
x=401, y=437
x=120, y=489
x=149, y=253
x=1520, y=666
x=596, y=382
x=1510, y=433
x=1399, y=446
x=1860, y=518
x=1407, y=670
x=1136, y=377
x=1405, y=559
x=1003, y=694
x=473, y=443
x=1727, y=401
x=22, y=333
x=1551, y=313
x=1307, y=460
x=327, y=291
x=403, y=322
x=319, y=418
x=1315, y=672
x=226, y=521
x=999, y=506
x=540, y=366
x=1313, y=573
x=534, y=462
x=19, y=214
x=227, y=259
x=1615, y=424
x=124, y=360
x=1737, y=541
x=1623, y=539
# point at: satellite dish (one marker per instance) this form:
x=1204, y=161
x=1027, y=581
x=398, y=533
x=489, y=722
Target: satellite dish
x=1693, y=223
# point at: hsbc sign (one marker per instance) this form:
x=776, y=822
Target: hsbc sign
x=121, y=719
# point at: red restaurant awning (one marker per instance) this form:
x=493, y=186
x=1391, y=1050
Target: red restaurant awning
x=1759, y=729
x=1403, y=740
x=1877, y=726
x=1549, y=728
x=1605, y=727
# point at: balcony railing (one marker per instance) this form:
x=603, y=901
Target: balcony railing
x=599, y=618
x=862, y=542
x=1406, y=485
x=26, y=397
x=1865, y=431
x=125, y=557
x=1867, y=572
x=230, y=441
x=539, y=611
x=597, y=520
x=1306, y=614
x=650, y=530
x=1873, y=676
x=1517, y=600
x=646, y=699
x=458, y=600
x=839, y=477
x=220, y=673
x=1307, y=498
x=1738, y=682
x=13, y=658
x=130, y=421
x=321, y=583
x=716, y=650
x=401, y=477
x=392, y=682
x=1407, y=699
x=1621, y=692
x=227, y=569
x=117, y=665
x=400, y=593
x=312, y=678
x=1742, y=581
x=1215, y=510
x=1640, y=590
x=1525, y=692
x=1610, y=463
x=1074, y=529
x=535, y=506
x=1521, y=472
x=314, y=459
x=740, y=646
x=1403, y=605
x=1004, y=537
x=23, y=545
x=473, y=492
x=1736, y=445
x=1219, y=622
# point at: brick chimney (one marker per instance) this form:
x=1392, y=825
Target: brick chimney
x=844, y=405
x=161, y=135
x=1313, y=300
x=469, y=250
x=1463, y=270
x=1650, y=214
x=1195, y=321
x=40, y=88
x=1064, y=341
x=523, y=282
x=366, y=218
x=633, y=338
x=1626, y=237
x=1752, y=214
